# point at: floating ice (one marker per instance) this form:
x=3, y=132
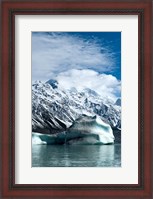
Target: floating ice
x=85, y=130
x=90, y=130
x=36, y=139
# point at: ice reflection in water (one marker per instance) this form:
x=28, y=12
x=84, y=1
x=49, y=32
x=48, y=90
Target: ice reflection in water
x=76, y=155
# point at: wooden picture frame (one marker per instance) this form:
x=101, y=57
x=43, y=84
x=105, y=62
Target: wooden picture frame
x=9, y=9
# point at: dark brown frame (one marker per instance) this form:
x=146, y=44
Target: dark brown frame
x=10, y=8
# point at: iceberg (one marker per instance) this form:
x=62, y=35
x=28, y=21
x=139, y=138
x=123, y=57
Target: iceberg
x=40, y=138
x=90, y=130
x=84, y=130
x=36, y=139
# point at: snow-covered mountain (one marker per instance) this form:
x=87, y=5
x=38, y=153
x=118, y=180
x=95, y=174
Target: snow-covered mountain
x=55, y=109
x=118, y=102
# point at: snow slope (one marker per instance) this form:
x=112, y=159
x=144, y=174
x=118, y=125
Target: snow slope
x=55, y=109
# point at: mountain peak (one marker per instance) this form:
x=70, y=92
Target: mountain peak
x=90, y=92
x=118, y=102
x=53, y=83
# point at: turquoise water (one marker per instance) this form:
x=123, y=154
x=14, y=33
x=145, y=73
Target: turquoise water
x=76, y=155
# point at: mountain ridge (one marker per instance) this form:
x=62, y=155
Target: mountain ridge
x=55, y=109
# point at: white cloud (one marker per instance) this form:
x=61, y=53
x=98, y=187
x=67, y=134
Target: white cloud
x=55, y=53
x=104, y=85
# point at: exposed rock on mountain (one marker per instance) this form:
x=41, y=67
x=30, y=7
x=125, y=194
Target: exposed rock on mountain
x=55, y=109
x=118, y=102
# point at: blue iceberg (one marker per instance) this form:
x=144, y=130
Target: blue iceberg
x=85, y=130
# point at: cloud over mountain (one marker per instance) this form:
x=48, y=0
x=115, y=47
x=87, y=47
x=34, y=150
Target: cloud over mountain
x=104, y=85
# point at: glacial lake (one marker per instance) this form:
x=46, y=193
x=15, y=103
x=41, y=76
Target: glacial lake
x=76, y=155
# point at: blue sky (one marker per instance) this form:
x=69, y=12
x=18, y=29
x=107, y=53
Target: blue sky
x=79, y=59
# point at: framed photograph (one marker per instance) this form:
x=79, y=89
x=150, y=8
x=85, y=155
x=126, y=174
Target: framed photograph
x=76, y=99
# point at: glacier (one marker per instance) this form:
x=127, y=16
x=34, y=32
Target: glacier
x=84, y=130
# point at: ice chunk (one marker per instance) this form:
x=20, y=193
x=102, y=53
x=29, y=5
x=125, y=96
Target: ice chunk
x=85, y=130
x=36, y=139
x=90, y=130
x=40, y=138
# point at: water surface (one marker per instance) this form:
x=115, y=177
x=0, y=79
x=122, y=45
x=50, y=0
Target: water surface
x=76, y=155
